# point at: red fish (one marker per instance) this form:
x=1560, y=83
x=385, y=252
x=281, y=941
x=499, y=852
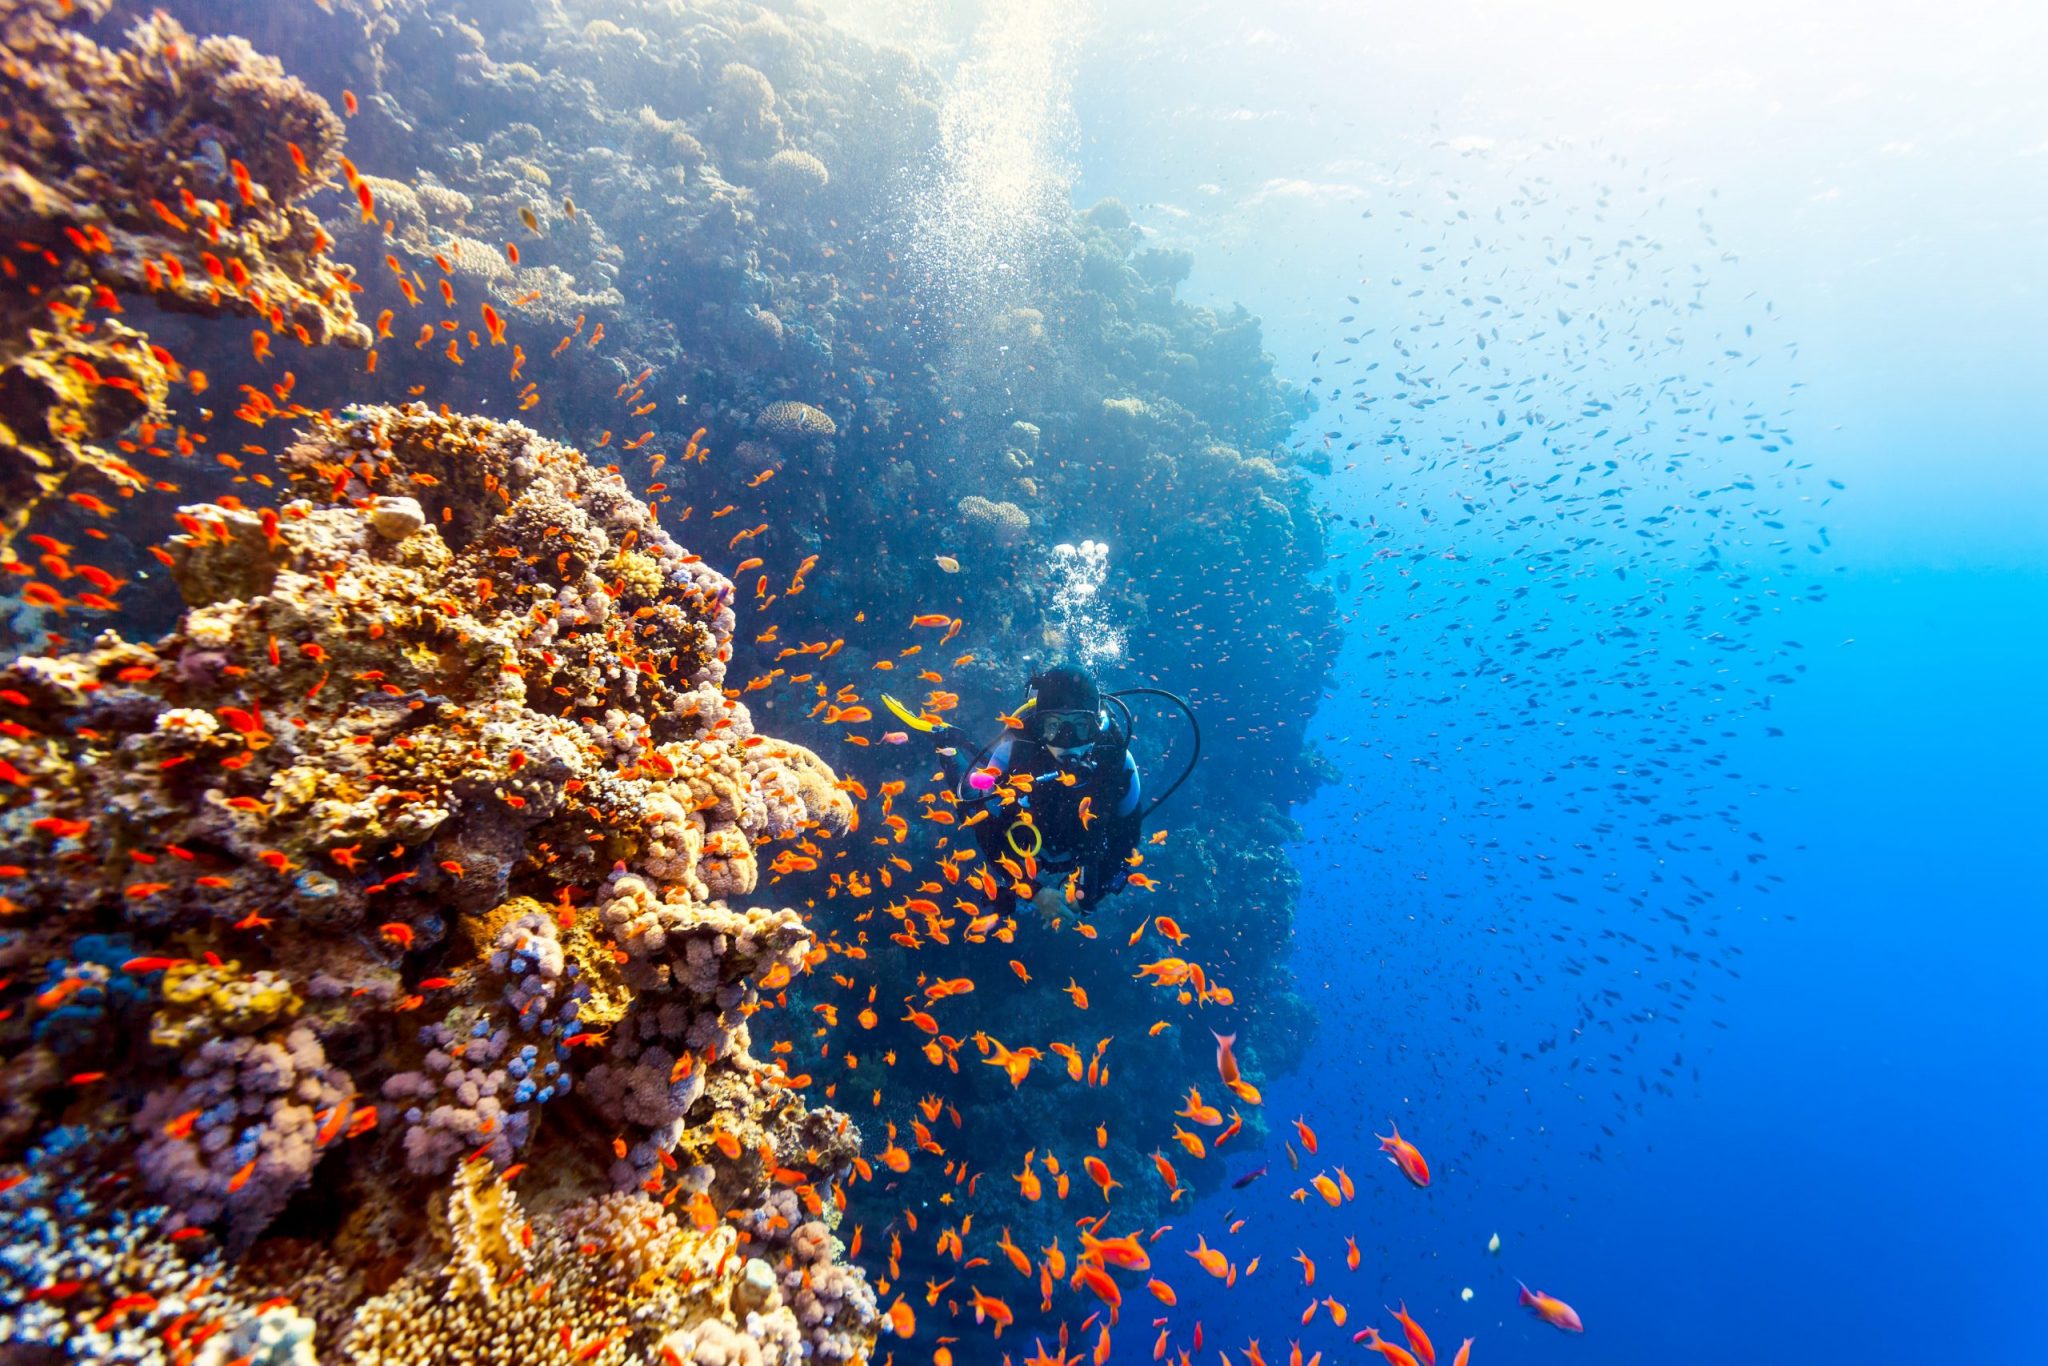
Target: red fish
x=1405, y=1155
x=1551, y=1310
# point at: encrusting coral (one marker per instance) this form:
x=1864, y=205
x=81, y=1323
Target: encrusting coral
x=170, y=168
x=440, y=752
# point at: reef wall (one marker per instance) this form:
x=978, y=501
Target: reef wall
x=115, y=163
x=453, y=739
x=420, y=827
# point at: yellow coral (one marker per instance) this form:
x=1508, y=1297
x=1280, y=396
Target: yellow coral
x=203, y=1001
x=639, y=575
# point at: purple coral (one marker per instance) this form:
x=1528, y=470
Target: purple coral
x=482, y=1080
x=255, y=1109
x=833, y=1302
x=476, y=1091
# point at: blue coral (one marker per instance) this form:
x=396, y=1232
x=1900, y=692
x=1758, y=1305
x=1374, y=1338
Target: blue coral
x=108, y=994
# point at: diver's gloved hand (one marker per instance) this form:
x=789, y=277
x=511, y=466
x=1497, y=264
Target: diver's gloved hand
x=1050, y=903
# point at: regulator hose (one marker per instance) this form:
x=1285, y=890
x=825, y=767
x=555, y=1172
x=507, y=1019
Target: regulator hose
x=1193, y=725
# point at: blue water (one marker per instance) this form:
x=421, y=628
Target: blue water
x=1679, y=398
x=1845, y=1165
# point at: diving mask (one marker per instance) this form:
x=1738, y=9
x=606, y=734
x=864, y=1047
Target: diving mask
x=1061, y=731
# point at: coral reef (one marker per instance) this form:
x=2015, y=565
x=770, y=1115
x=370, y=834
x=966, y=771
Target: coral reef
x=240, y=1134
x=1090, y=402
x=442, y=803
x=610, y=1279
x=169, y=169
x=459, y=781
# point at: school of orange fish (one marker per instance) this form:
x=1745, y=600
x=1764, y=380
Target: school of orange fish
x=929, y=889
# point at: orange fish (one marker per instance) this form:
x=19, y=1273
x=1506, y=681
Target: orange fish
x=1551, y=1310
x=1098, y=1172
x=1200, y=1113
x=1099, y=1284
x=993, y=1309
x=1226, y=1060
x=1397, y=1356
x=1418, y=1341
x=1027, y=1180
x=1125, y=1252
x=1210, y=1259
x=1015, y=1254
x=1405, y=1156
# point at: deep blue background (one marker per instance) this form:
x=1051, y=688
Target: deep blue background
x=1856, y=1174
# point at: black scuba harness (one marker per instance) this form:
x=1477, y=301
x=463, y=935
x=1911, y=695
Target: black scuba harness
x=1122, y=744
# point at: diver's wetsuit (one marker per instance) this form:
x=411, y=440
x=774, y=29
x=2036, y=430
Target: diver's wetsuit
x=1108, y=777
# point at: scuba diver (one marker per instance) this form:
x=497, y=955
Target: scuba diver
x=1074, y=823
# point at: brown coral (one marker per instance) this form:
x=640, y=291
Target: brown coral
x=164, y=169
x=607, y=1280
x=450, y=732
x=792, y=421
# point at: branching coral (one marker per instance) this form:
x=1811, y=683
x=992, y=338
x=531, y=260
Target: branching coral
x=171, y=167
x=607, y=1280
x=81, y=1282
